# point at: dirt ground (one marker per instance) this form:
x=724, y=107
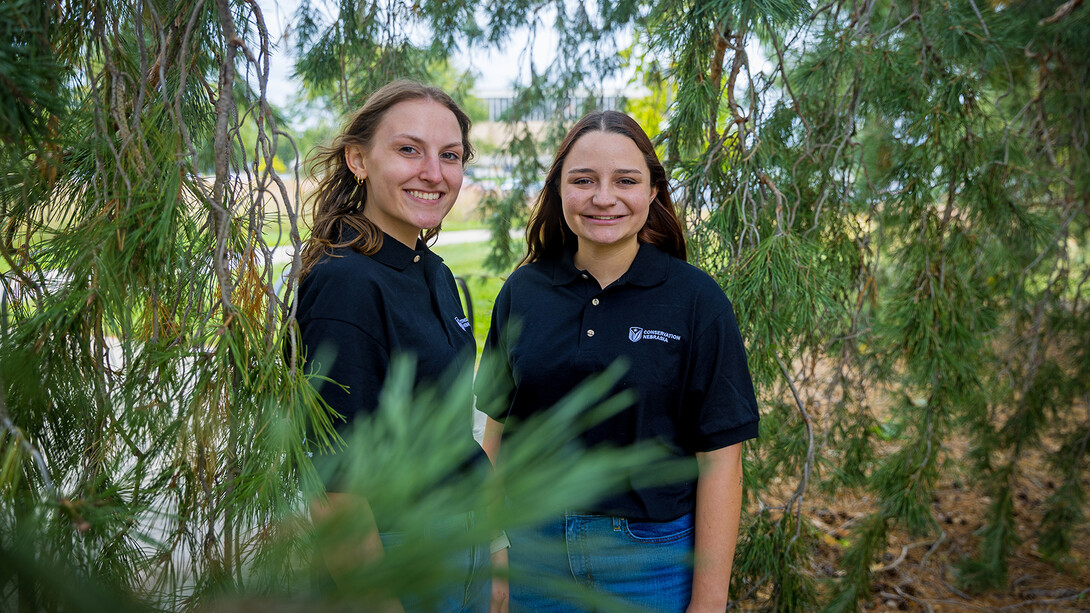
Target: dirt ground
x=918, y=575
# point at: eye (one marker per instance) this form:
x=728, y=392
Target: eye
x=453, y=156
x=407, y=149
x=627, y=181
x=581, y=181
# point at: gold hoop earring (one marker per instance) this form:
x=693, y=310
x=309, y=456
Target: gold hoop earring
x=359, y=181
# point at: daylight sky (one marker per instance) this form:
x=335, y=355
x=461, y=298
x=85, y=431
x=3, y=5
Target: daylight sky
x=494, y=70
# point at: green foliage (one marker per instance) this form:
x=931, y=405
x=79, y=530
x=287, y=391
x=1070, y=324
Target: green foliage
x=989, y=570
x=30, y=75
x=151, y=426
x=775, y=552
x=366, y=45
x=867, y=541
x=504, y=211
x=894, y=203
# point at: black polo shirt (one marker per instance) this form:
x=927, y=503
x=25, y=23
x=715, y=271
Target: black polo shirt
x=677, y=331
x=356, y=311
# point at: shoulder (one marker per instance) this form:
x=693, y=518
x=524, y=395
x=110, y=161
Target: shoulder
x=533, y=272
x=529, y=276
x=445, y=274
x=342, y=264
x=703, y=298
x=524, y=286
x=337, y=285
x=696, y=282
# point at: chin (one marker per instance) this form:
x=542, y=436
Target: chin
x=428, y=224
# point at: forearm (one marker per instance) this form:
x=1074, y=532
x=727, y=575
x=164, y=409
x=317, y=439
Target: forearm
x=490, y=442
x=718, y=513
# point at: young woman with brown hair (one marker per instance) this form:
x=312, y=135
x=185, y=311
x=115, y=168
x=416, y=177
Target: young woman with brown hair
x=605, y=278
x=371, y=289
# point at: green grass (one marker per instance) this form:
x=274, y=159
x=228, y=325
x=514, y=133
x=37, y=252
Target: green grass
x=466, y=260
x=462, y=224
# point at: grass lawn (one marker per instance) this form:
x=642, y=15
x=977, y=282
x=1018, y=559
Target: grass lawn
x=466, y=260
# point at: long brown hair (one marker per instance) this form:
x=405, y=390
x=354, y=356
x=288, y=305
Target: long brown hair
x=548, y=235
x=339, y=199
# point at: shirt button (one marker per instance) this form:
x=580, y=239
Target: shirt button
x=594, y=302
x=416, y=258
x=590, y=332
x=584, y=275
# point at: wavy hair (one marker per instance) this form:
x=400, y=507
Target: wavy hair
x=339, y=200
x=548, y=235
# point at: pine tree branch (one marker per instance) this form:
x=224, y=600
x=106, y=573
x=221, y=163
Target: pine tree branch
x=905, y=596
x=716, y=78
x=17, y=434
x=1045, y=601
x=740, y=59
x=782, y=67
x=225, y=108
x=1062, y=12
x=934, y=547
x=797, y=497
x=900, y=558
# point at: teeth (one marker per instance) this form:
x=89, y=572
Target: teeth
x=604, y=217
x=424, y=195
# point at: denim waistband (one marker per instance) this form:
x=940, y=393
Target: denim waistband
x=593, y=514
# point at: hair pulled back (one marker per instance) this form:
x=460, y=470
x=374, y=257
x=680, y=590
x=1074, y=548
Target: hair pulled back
x=339, y=200
x=548, y=234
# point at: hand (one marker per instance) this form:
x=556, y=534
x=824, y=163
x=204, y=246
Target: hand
x=500, y=588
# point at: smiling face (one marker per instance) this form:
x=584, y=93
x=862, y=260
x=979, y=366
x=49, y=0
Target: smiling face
x=605, y=190
x=412, y=168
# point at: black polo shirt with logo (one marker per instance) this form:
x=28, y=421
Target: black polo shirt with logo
x=677, y=331
x=357, y=311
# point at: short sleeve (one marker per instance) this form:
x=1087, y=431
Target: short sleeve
x=349, y=364
x=720, y=407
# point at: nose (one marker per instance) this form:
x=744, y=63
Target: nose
x=603, y=196
x=430, y=169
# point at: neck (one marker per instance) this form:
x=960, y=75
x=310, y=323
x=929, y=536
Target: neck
x=405, y=235
x=606, y=263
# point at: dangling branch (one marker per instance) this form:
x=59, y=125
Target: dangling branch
x=225, y=106
x=17, y=434
x=716, y=77
x=800, y=491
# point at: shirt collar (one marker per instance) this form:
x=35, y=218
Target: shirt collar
x=394, y=253
x=399, y=256
x=648, y=269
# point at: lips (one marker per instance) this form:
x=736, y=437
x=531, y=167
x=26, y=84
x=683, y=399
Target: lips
x=603, y=217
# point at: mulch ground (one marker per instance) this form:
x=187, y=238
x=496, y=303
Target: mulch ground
x=918, y=574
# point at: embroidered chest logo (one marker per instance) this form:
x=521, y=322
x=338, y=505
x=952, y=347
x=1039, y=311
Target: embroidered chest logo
x=463, y=322
x=637, y=334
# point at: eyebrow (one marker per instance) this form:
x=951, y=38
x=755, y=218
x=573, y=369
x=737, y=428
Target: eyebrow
x=619, y=171
x=420, y=141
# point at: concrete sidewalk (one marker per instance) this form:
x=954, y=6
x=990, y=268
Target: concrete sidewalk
x=283, y=255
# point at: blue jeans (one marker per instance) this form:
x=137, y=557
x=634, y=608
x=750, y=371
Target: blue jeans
x=586, y=562
x=470, y=595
